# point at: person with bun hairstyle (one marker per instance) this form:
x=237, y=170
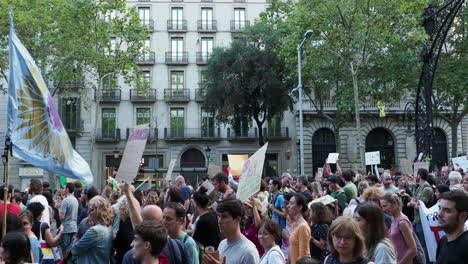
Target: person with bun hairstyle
x=206, y=229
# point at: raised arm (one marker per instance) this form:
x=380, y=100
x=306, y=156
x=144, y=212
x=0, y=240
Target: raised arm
x=133, y=206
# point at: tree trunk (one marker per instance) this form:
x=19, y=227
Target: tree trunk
x=358, y=121
x=337, y=138
x=261, y=139
x=454, y=126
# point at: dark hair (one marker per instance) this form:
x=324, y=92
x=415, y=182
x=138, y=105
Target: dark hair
x=307, y=260
x=233, y=207
x=442, y=188
x=90, y=192
x=220, y=176
x=70, y=186
x=431, y=179
x=373, y=178
x=376, y=230
x=396, y=179
x=333, y=179
x=263, y=185
x=271, y=227
x=459, y=198
x=35, y=186
x=139, y=196
x=28, y=214
x=78, y=184
x=178, y=208
x=18, y=247
x=348, y=175
x=175, y=193
x=287, y=196
x=276, y=181
x=50, y=198
x=45, y=185
x=2, y=190
x=303, y=180
x=36, y=209
x=153, y=232
x=423, y=173
x=13, y=223
x=18, y=197
x=301, y=201
x=321, y=214
x=201, y=198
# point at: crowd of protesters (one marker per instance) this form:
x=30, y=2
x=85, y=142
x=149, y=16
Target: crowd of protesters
x=373, y=219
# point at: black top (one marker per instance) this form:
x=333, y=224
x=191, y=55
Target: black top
x=123, y=239
x=308, y=195
x=453, y=252
x=35, y=229
x=331, y=260
x=318, y=232
x=207, y=230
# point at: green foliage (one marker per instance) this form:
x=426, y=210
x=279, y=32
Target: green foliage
x=247, y=81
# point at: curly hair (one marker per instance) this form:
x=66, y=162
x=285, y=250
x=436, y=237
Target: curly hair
x=36, y=209
x=152, y=198
x=102, y=210
x=373, y=192
x=123, y=208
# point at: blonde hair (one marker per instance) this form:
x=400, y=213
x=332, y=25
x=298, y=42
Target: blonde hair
x=123, y=208
x=373, y=191
x=393, y=198
x=152, y=198
x=102, y=210
x=316, y=189
x=346, y=224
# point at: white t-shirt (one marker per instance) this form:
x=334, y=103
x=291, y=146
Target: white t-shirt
x=45, y=214
x=273, y=256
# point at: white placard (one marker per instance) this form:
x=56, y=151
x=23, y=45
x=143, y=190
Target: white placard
x=460, y=162
x=249, y=183
x=432, y=231
x=208, y=185
x=332, y=158
x=373, y=158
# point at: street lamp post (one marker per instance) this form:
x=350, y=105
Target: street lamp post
x=299, y=90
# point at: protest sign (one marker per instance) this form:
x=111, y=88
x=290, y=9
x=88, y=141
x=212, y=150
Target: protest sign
x=373, y=158
x=420, y=165
x=327, y=199
x=133, y=152
x=460, y=163
x=236, y=163
x=332, y=158
x=432, y=232
x=251, y=175
x=213, y=169
x=406, y=166
x=208, y=186
x=169, y=170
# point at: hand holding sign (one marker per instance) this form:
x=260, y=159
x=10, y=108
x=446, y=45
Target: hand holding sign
x=332, y=158
x=373, y=158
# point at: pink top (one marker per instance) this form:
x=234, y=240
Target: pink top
x=251, y=233
x=398, y=239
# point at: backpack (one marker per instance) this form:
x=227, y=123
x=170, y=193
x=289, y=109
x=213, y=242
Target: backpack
x=200, y=248
x=179, y=255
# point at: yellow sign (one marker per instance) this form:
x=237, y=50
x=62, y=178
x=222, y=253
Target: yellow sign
x=236, y=163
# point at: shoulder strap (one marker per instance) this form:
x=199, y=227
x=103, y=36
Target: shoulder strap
x=171, y=249
x=185, y=238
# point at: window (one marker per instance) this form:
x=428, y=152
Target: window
x=206, y=47
x=239, y=18
x=70, y=112
x=177, y=47
x=143, y=116
x=207, y=18
x=144, y=15
x=274, y=127
x=110, y=15
x=207, y=124
x=144, y=82
x=108, y=123
x=177, y=80
x=108, y=84
x=177, y=14
x=241, y=127
x=146, y=46
x=177, y=122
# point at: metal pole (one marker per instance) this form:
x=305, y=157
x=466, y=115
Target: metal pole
x=299, y=90
x=5, y=190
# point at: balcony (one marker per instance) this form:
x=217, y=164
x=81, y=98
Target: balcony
x=149, y=23
x=147, y=59
x=192, y=134
x=202, y=58
x=239, y=25
x=73, y=125
x=207, y=26
x=242, y=135
x=199, y=95
x=367, y=106
x=143, y=95
x=108, y=95
x=177, y=95
x=176, y=58
x=280, y=133
x=108, y=135
x=177, y=25
x=153, y=134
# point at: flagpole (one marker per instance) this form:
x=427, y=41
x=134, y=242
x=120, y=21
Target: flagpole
x=6, y=160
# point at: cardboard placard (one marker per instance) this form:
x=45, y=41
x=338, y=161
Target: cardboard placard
x=207, y=185
x=332, y=158
x=373, y=158
x=169, y=170
x=406, y=166
x=460, y=162
x=236, y=163
x=213, y=169
x=420, y=165
x=251, y=175
x=133, y=152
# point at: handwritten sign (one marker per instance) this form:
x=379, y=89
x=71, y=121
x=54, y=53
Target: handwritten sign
x=432, y=231
x=332, y=158
x=406, y=166
x=207, y=185
x=460, y=163
x=213, y=169
x=251, y=175
x=236, y=163
x=420, y=165
x=133, y=152
x=327, y=199
x=373, y=158
x=169, y=170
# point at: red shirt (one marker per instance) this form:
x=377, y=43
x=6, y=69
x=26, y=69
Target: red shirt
x=163, y=259
x=11, y=208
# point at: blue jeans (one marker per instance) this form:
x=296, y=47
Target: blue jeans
x=418, y=229
x=65, y=240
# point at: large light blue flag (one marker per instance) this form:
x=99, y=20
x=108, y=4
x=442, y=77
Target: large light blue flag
x=34, y=127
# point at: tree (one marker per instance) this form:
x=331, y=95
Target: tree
x=247, y=81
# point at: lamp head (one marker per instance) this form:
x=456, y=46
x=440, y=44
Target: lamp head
x=308, y=33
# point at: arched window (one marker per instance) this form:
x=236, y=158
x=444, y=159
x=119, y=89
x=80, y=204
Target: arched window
x=192, y=158
x=439, y=149
x=323, y=143
x=379, y=139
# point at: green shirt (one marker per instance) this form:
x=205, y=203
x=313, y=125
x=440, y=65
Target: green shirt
x=426, y=194
x=350, y=191
x=191, y=246
x=341, y=197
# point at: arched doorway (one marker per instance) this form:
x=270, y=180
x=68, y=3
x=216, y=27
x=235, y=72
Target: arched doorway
x=439, y=149
x=323, y=143
x=379, y=139
x=192, y=158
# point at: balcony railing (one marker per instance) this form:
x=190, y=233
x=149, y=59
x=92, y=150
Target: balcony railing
x=153, y=135
x=143, y=95
x=108, y=135
x=177, y=95
x=367, y=105
x=149, y=23
x=279, y=133
x=207, y=26
x=177, y=25
x=73, y=125
x=147, y=59
x=243, y=134
x=239, y=25
x=211, y=133
x=199, y=95
x=109, y=95
x=202, y=57
x=176, y=58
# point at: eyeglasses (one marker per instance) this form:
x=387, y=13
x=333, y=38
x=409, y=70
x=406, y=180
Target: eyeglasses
x=344, y=238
